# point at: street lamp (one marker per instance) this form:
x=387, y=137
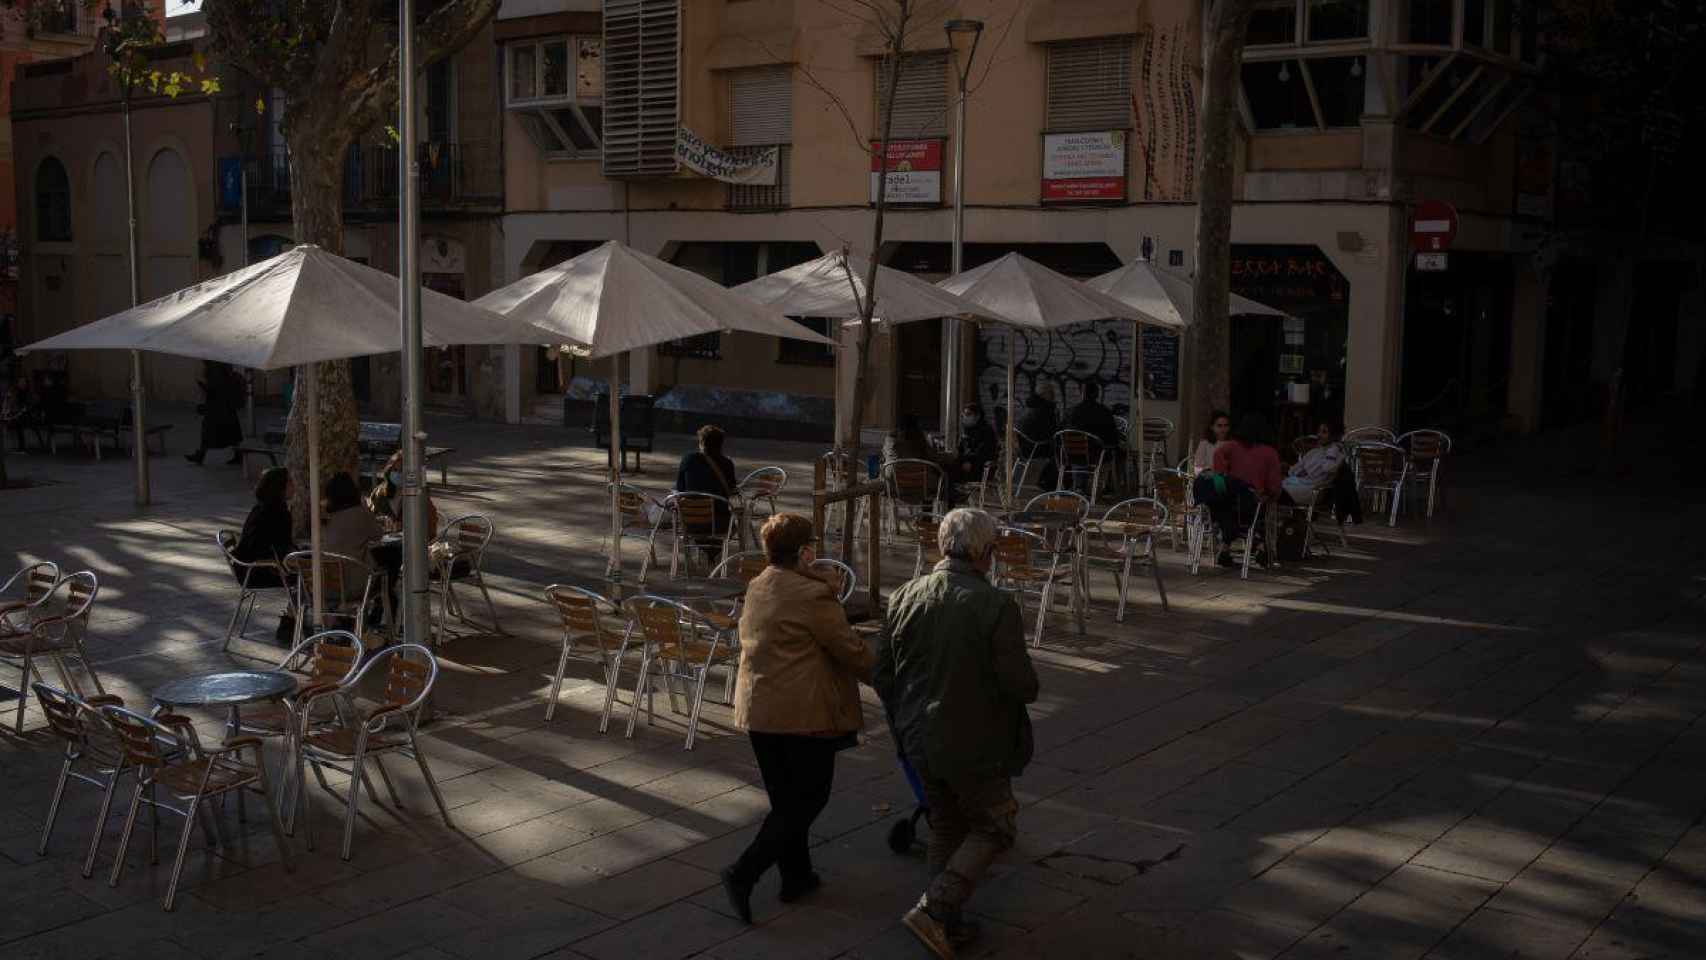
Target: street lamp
x=244, y=132
x=139, y=435
x=962, y=40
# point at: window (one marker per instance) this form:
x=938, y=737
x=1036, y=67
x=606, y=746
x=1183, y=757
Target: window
x=1427, y=21
x=564, y=118
x=53, y=202
x=1277, y=96
x=761, y=118
x=1339, y=84
x=642, y=71
x=1274, y=23
x=1089, y=85
x=804, y=351
x=704, y=346
x=1331, y=20
x=921, y=103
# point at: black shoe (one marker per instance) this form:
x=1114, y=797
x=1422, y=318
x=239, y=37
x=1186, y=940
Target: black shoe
x=739, y=894
x=194, y=458
x=1260, y=559
x=794, y=891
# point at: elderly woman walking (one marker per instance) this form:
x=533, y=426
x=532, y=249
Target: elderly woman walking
x=798, y=700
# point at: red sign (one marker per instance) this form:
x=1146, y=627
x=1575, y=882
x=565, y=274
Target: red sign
x=914, y=171
x=1433, y=226
x=1099, y=188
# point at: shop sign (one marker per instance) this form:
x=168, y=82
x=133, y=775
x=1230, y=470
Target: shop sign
x=914, y=171
x=1431, y=262
x=1084, y=166
x=756, y=170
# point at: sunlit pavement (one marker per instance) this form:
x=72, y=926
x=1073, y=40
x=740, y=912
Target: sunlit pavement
x=1475, y=737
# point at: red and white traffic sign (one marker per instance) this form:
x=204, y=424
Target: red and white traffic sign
x=1433, y=226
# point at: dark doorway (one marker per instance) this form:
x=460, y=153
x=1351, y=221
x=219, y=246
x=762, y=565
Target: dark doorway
x=1268, y=355
x=1568, y=392
x=1457, y=330
x=918, y=386
x=1649, y=351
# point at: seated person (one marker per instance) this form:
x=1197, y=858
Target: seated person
x=266, y=538
x=1246, y=467
x=907, y=441
x=1038, y=424
x=1326, y=463
x=1219, y=428
x=1098, y=421
x=707, y=470
x=386, y=501
x=977, y=442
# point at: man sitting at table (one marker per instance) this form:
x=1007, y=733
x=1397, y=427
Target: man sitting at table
x=1098, y=421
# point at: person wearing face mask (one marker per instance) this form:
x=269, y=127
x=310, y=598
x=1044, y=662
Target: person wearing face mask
x=977, y=442
x=386, y=498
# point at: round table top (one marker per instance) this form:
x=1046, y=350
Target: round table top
x=679, y=589
x=224, y=689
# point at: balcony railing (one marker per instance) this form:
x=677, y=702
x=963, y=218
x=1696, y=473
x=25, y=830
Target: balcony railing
x=67, y=17
x=757, y=197
x=451, y=174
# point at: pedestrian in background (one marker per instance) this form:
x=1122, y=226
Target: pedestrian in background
x=797, y=697
x=955, y=676
x=222, y=396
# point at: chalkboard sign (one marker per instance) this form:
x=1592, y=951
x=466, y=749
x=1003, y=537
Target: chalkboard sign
x=1160, y=364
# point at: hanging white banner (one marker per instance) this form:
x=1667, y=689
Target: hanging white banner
x=756, y=170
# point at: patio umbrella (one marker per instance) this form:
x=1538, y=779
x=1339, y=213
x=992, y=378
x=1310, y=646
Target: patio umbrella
x=1165, y=300
x=613, y=299
x=833, y=286
x=301, y=307
x=1027, y=294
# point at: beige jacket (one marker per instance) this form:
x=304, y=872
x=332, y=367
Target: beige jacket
x=800, y=661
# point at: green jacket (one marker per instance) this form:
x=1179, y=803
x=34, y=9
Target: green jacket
x=953, y=671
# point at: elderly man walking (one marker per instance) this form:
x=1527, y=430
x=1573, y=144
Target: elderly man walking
x=955, y=676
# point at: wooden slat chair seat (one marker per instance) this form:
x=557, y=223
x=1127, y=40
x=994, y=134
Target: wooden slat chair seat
x=588, y=619
x=93, y=755
x=681, y=645
x=1125, y=536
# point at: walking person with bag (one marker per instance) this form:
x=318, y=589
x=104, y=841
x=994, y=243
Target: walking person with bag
x=222, y=397
x=955, y=676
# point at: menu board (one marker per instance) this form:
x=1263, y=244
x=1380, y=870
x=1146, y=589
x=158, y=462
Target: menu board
x=1160, y=363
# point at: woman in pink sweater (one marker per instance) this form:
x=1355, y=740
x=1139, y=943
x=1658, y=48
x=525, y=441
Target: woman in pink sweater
x=1246, y=466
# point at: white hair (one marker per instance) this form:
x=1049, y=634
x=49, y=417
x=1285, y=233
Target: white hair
x=966, y=534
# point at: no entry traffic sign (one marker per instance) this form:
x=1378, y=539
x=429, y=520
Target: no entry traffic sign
x=1433, y=226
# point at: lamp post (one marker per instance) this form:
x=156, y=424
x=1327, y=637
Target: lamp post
x=962, y=40
x=409, y=302
x=138, y=432
x=245, y=134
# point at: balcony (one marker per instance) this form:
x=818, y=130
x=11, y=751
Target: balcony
x=66, y=18
x=452, y=174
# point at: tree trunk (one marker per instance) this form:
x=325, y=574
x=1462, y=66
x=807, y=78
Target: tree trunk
x=316, y=205
x=861, y=380
x=1210, y=331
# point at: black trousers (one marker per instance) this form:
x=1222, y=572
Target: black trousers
x=798, y=772
x=1232, y=509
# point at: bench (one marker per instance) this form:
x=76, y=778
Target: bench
x=99, y=421
x=375, y=444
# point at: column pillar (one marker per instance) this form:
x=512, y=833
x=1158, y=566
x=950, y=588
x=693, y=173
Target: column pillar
x=1374, y=335
x=1528, y=344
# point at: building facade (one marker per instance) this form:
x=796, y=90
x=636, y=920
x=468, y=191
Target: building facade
x=1080, y=152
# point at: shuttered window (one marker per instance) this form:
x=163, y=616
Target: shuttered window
x=1089, y=84
x=761, y=107
x=921, y=105
x=642, y=74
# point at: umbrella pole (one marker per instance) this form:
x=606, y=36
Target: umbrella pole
x=312, y=390
x=615, y=469
x=1009, y=484
x=1136, y=406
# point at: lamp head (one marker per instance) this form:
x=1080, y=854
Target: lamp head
x=962, y=40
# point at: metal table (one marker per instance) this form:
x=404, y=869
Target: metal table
x=231, y=689
x=688, y=590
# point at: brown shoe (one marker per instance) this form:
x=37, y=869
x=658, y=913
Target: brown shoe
x=929, y=932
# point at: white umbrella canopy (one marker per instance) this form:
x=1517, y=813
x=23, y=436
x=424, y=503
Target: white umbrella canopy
x=613, y=299
x=1024, y=293
x=833, y=285
x=303, y=306
x=1164, y=297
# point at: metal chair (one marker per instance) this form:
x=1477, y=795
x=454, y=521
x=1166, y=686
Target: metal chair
x=1357, y=435
x=640, y=513
x=1381, y=471
x=915, y=487
x=587, y=617
x=693, y=524
x=1157, y=432
x=1205, y=536
x=1126, y=535
x=89, y=742
x=248, y=593
x=1061, y=501
x=459, y=555
x=1427, y=450
x=1079, y=457
x=1024, y=457
x=409, y=670
x=55, y=626
x=843, y=575
x=1017, y=572
x=27, y=588
x=763, y=484
x=927, y=529
x=680, y=645
x=1173, y=491
x=168, y=756
x=338, y=574
x=840, y=471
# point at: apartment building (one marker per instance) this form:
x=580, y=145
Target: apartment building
x=191, y=154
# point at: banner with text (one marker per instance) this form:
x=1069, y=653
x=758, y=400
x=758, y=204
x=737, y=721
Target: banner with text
x=1084, y=166
x=915, y=171
x=756, y=169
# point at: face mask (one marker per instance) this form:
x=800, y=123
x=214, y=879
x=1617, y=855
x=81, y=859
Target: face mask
x=395, y=478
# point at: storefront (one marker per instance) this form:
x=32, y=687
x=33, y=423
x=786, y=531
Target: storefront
x=1289, y=369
